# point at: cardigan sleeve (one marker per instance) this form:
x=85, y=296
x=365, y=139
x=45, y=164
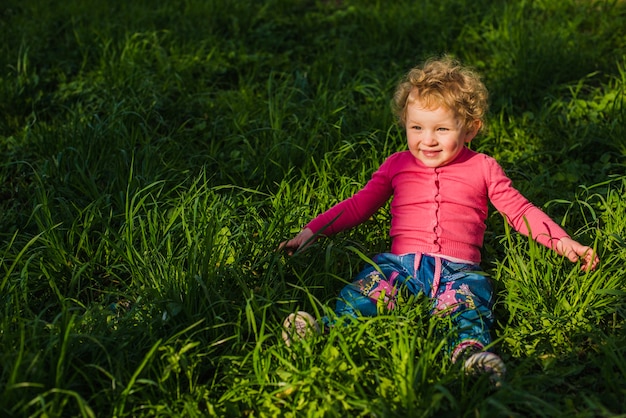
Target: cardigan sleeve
x=358, y=208
x=522, y=215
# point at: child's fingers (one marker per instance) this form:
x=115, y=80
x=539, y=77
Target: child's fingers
x=287, y=246
x=297, y=242
x=590, y=259
x=593, y=258
x=577, y=252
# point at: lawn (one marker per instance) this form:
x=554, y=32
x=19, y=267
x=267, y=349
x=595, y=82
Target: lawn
x=155, y=154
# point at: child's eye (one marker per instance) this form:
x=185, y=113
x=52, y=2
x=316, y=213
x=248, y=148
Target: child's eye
x=442, y=129
x=417, y=128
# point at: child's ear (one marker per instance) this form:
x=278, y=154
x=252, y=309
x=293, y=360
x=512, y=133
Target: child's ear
x=473, y=131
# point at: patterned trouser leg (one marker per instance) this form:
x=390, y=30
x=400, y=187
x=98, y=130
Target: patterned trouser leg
x=457, y=289
x=466, y=295
x=361, y=297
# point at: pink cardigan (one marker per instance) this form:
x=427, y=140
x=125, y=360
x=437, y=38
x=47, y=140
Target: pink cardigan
x=440, y=211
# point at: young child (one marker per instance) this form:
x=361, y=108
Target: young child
x=440, y=191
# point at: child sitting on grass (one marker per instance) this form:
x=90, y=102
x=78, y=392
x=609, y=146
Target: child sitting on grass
x=440, y=191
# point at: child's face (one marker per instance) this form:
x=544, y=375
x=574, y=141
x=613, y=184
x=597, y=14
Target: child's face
x=435, y=136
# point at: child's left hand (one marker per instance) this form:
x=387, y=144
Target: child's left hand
x=575, y=251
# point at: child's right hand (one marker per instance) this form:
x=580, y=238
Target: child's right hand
x=300, y=241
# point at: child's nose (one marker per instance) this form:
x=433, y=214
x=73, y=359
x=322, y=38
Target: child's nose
x=430, y=139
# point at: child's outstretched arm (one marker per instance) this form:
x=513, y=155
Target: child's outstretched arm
x=575, y=251
x=304, y=238
x=349, y=212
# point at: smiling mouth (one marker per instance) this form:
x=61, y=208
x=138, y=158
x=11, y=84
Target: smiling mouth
x=430, y=153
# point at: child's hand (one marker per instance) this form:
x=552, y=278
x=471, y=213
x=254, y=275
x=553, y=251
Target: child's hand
x=304, y=238
x=575, y=251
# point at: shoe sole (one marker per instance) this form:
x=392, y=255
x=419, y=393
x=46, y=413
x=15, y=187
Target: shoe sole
x=298, y=325
x=488, y=363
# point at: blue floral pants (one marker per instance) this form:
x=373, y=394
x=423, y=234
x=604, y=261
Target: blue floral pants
x=457, y=289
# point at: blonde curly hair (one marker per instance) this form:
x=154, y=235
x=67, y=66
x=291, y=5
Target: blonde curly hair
x=443, y=82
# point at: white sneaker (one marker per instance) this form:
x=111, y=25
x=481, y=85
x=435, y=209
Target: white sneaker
x=298, y=325
x=488, y=363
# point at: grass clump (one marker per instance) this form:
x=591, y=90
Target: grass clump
x=155, y=155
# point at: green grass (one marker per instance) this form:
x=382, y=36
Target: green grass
x=154, y=155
